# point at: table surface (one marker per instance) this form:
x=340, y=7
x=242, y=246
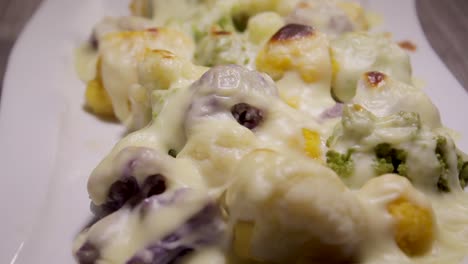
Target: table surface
x=444, y=23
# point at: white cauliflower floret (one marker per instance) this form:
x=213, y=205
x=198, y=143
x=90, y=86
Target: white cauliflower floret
x=121, y=24
x=161, y=73
x=216, y=146
x=295, y=208
x=329, y=16
x=130, y=235
x=164, y=70
x=355, y=53
x=262, y=26
x=220, y=47
x=296, y=48
x=384, y=95
x=136, y=164
x=120, y=54
x=412, y=221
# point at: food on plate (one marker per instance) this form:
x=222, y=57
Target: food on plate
x=266, y=132
x=355, y=53
x=211, y=33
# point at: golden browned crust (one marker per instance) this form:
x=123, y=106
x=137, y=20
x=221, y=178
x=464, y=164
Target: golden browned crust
x=407, y=45
x=292, y=32
x=375, y=78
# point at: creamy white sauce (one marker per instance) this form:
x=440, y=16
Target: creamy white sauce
x=265, y=176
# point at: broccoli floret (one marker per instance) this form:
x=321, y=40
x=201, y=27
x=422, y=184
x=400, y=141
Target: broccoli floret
x=402, y=169
x=342, y=164
x=225, y=23
x=460, y=162
x=390, y=160
x=382, y=150
x=221, y=48
x=462, y=171
x=463, y=175
x=382, y=166
x=240, y=21
x=442, y=183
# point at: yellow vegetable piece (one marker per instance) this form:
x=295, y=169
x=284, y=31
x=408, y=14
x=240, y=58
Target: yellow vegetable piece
x=97, y=99
x=312, y=143
x=296, y=48
x=335, y=65
x=242, y=238
x=414, y=227
x=292, y=101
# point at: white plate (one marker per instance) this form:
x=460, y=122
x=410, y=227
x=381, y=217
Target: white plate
x=49, y=145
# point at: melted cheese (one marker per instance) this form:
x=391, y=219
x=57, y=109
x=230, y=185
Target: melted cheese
x=120, y=54
x=280, y=201
x=391, y=96
x=332, y=17
x=356, y=53
x=450, y=215
x=127, y=231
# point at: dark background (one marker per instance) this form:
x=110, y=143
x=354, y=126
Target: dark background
x=445, y=23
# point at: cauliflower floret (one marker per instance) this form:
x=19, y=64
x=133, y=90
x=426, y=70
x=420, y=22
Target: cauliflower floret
x=356, y=14
x=116, y=179
x=119, y=24
x=161, y=73
x=331, y=17
x=383, y=95
x=356, y=53
x=131, y=236
x=296, y=207
x=412, y=221
x=234, y=93
x=120, y=54
x=97, y=99
x=222, y=47
x=297, y=48
x=263, y=25
x=164, y=70
x=367, y=146
x=216, y=146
